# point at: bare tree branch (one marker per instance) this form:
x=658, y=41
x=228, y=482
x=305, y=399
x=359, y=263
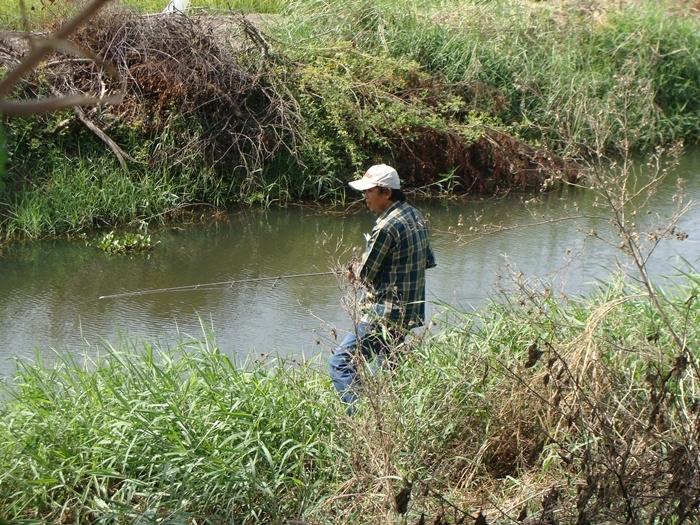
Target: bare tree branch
x=24, y=108
x=39, y=52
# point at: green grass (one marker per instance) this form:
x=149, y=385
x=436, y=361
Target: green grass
x=165, y=434
x=560, y=76
x=83, y=195
x=143, y=435
x=68, y=183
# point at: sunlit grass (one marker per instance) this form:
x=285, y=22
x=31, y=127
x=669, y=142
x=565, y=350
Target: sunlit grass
x=182, y=431
x=577, y=80
x=83, y=195
x=39, y=14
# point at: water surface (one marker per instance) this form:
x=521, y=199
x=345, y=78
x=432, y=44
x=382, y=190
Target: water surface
x=49, y=290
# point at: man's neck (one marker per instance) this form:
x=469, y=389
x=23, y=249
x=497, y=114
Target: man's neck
x=391, y=206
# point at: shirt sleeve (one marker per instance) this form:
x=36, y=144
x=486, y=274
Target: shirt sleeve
x=379, y=244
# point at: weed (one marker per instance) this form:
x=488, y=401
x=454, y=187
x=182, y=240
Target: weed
x=125, y=243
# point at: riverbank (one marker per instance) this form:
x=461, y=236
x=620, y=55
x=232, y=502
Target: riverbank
x=552, y=409
x=499, y=97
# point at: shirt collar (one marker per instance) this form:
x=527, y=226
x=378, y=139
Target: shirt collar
x=386, y=212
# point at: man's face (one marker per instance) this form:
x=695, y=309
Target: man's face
x=377, y=199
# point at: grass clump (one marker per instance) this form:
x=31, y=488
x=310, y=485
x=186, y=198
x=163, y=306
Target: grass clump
x=164, y=435
x=583, y=410
x=535, y=407
x=125, y=243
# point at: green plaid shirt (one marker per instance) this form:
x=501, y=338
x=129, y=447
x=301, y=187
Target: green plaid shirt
x=393, y=267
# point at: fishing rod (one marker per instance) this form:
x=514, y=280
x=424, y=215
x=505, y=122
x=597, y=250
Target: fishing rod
x=211, y=286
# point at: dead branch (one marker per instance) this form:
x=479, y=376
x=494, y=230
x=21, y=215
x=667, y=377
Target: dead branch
x=13, y=108
x=121, y=155
x=39, y=52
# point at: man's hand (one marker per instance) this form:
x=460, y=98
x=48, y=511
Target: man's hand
x=350, y=274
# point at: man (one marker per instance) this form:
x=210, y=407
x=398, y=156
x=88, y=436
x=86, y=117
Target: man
x=392, y=270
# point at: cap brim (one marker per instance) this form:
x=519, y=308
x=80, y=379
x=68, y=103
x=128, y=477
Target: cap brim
x=362, y=184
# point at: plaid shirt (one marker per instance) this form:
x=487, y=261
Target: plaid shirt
x=393, y=267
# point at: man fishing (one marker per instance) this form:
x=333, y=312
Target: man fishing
x=392, y=270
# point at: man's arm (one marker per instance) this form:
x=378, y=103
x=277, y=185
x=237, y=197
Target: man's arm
x=380, y=244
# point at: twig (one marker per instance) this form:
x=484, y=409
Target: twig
x=122, y=156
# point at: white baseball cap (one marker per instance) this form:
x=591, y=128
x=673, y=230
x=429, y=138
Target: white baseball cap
x=378, y=175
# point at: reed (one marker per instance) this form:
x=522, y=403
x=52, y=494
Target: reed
x=85, y=194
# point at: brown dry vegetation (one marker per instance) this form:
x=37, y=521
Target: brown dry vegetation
x=172, y=65
x=493, y=164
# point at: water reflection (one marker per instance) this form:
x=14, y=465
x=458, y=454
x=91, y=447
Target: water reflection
x=49, y=290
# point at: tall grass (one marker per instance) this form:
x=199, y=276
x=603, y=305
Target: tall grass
x=59, y=182
x=82, y=195
x=166, y=435
x=520, y=399
x=578, y=80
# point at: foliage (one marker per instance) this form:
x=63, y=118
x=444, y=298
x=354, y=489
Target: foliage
x=125, y=243
x=41, y=13
x=83, y=194
x=357, y=106
x=577, y=81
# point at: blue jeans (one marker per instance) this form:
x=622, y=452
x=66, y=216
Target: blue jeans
x=344, y=362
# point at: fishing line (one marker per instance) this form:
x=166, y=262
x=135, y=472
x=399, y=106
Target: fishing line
x=211, y=286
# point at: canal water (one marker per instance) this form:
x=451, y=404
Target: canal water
x=49, y=290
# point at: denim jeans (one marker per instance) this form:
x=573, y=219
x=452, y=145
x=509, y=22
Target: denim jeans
x=344, y=362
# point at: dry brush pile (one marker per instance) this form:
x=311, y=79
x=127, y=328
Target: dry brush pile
x=172, y=65
x=176, y=80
